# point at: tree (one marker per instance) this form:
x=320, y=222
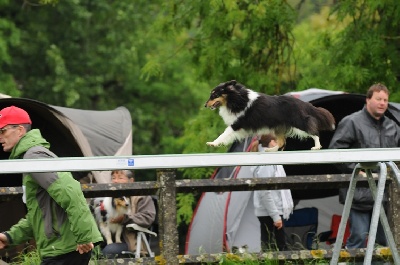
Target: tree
x=90, y=55
x=249, y=41
x=358, y=47
x=10, y=37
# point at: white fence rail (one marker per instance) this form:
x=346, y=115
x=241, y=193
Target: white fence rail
x=200, y=160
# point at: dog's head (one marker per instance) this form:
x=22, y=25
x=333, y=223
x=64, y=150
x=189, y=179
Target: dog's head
x=121, y=202
x=219, y=93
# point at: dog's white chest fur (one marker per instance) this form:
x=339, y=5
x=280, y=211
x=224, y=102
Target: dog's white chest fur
x=227, y=116
x=114, y=210
x=230, y=117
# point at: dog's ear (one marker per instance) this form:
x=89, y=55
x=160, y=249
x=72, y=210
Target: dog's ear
x=230, y=83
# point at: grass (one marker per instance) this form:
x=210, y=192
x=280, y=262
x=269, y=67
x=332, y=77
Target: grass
x=32, y=258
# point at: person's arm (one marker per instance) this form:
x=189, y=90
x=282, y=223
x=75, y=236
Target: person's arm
x=66, y=192
x=345, y=137
x=20, y=232
x=265, y=196
x=145, y=212
x=268, y=203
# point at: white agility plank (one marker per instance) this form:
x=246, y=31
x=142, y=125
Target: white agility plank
x=200, y=160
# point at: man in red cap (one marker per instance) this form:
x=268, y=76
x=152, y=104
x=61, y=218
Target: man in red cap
x=10, y=119
x=58, y=217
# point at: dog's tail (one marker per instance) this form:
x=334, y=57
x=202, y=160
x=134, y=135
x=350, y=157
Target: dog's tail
x=325, y=119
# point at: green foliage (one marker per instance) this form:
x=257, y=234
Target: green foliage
x=352, y=47
x=312, y=37
x=10, y=37
x=368, y=44
x=48, y=2
x=93, y=57
x=30, y=257
x=305, y=9
x=185, y=204
x=247, y=41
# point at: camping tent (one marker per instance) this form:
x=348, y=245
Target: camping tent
x=76, y=133
x=223, y=220
x=220, y=223
x=71, y=133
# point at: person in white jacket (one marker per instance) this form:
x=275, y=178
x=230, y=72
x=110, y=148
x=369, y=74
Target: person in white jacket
x=271, y=206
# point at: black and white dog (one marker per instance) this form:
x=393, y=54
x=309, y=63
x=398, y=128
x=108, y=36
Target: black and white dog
x=113, y=207
x=249, y=113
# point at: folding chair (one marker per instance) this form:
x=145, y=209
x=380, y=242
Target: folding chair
x=330, y=236
x=140, y=238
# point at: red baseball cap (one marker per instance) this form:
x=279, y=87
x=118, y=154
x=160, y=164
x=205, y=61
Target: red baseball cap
x=13, y=115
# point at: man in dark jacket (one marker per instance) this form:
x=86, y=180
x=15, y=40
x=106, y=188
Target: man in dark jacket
x=367, y=128
x=58, y=217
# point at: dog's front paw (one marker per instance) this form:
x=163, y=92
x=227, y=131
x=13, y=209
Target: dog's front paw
x=316, y=147
x=212, y=144
x=109, y=242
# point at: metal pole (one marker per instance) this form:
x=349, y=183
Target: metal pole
x=378, y=196
x=345, y=215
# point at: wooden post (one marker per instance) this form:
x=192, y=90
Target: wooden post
x=168, y=232
x=394, y=210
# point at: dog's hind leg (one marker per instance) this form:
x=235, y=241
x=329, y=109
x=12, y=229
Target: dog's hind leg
x=227, y=137
x=317, y=144
x=304, y=135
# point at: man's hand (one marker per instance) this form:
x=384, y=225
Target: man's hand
x=84, y=248
x=278, y=224
x=3, y=241
x=118, y=219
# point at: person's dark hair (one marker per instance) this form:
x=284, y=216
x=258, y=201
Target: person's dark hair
x=266, y=139
x=377, y=88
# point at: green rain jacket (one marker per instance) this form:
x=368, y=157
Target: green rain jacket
x=58, y=216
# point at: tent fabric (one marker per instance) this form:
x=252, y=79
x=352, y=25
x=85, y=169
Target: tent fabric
x=101, y=133
x=218, y=225
x=76, y=133
x=4, y=96
x=106, y=131
x=223, y=221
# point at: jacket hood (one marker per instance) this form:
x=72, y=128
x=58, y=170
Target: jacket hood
x=30, y=139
